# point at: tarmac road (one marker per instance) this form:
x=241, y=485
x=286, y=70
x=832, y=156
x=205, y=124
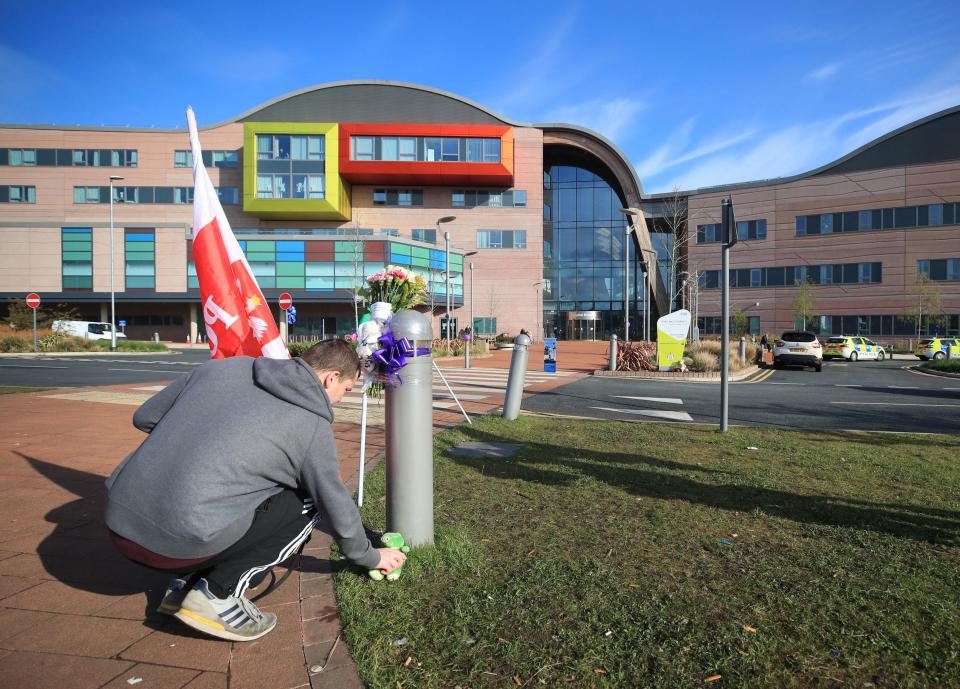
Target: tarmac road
x=866, y=395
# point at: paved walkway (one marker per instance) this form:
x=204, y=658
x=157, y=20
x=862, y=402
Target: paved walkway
x=75, y=614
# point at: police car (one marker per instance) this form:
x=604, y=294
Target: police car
x=936, y=348
x=852, y=348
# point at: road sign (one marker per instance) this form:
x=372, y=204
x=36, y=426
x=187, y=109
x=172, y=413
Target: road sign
x=33, y=300
x=122, y=324
x=286, y=301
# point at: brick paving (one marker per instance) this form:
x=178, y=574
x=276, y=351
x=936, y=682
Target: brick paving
x=74, y=613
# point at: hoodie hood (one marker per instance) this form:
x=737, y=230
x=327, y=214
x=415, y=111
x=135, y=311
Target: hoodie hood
x=293, y=381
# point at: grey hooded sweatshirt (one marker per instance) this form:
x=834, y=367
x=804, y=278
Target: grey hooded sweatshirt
x=222, y=440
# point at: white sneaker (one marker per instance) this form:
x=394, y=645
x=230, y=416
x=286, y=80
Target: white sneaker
x=234, y=617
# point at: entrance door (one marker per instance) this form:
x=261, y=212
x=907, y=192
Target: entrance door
x=582, y=329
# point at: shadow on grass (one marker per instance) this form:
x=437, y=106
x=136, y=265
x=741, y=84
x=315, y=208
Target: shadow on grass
x=632, y=473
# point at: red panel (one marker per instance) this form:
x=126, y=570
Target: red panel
x=424, y=172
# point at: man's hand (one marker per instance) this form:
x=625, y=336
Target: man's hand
x=390, y=559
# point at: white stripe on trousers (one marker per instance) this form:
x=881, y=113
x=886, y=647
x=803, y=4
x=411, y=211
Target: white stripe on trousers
x=287, y=551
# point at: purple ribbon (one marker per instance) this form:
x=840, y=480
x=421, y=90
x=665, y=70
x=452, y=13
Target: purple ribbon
x=393, y=355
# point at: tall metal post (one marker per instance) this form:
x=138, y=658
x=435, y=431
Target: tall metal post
x=728, y=233
x=612, y=362
x=34, y=330
x=626, y=284
x=518, y=371
x=446, y=240
x=113, y=306
x=409, y=435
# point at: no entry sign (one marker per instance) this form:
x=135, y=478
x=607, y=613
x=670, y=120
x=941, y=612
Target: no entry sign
x=33, y=300
x=286, y=301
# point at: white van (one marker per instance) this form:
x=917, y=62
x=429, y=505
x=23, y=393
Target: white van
x=87, y=330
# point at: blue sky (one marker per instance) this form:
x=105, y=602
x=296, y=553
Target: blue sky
x=693, y=93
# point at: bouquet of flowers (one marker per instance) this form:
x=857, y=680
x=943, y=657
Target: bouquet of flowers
x=381, y=357
x=397, y=286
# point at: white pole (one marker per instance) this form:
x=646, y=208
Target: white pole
x=363, y=445
x=446, y=239
x=626, y=286
x=462, y=411
x=113, y=314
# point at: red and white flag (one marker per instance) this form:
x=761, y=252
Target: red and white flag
x=236, y=315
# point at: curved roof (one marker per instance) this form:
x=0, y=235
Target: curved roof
x=931, y=139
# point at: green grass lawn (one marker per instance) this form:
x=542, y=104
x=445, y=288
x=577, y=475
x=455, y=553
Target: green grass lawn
x=13, y=389
x=650, y=555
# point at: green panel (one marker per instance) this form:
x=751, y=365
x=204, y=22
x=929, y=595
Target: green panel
x=261, y=256
x=421, y=262
x=139, y=282
x=289, y=268
x=267, y=282
x=139, y=256
x=193, y=282
x=78, y=246
x=319, y=269
x=456, y=260
x=77, y=282
x=258, y=245
x=397, y=248
x=76, y=256
x=347, y=256
x=290, y=283
x=420, y=251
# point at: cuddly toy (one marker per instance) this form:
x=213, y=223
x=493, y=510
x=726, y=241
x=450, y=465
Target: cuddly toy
x=390, y=539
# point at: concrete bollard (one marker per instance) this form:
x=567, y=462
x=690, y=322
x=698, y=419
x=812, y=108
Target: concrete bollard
x=612, y=364
x=518, y=371
x=409, y=436
x=743, y=351
x=156, y=337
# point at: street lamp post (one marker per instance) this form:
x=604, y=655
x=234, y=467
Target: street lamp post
x=650, y=266
x=631, y=214
x=446, y=241
x=113, y=297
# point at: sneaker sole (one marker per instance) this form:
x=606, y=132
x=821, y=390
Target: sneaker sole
x=208, y=626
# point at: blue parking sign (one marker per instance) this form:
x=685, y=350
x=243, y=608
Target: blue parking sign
x=122, y=324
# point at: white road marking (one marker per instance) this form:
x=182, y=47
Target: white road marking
x=898, y=404
x=787, y=383
x=655, y=413
x=664, y=400
x=22, y=366
x=147, y=370
x=837, y=385
x=903, y=387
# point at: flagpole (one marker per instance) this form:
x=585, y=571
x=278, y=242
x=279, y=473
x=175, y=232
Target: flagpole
x=363, y=445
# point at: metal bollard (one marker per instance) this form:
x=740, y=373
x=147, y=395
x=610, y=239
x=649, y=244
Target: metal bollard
x=743, y=350
x=518, y=370
x=156, y=337
x=467, y=346
x=612, y=364
x=409, y=436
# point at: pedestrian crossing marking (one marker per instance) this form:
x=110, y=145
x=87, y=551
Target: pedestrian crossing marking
x=654, y=413
x=662, y=400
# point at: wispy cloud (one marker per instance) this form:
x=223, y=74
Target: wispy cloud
x=23, y=78
x=795, y=148
x=543, y=74
x=823, y=72
x=612, y=118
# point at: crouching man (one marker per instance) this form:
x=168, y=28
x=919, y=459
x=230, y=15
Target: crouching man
x=239, y=465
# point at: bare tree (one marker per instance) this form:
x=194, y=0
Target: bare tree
x=926, y=303
x=671, y=218
x=804, y=301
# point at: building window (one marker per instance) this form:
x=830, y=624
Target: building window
x=429, y=236
x=301, y=175
x=228, y=195
x=469, y=198
x=86, y=194
x=212, y=158
x=22, y=156
x=76, y=246
x=484, y=325
x=943, y=269
x=501, y=239
x=425, y=149
x=183, y=158
x=901, y=218
x=139, y=259
x=18, y=194
x=839, y=273
x=398, y=197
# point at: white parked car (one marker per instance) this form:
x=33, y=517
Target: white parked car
x=88, y=330
x=800, y=348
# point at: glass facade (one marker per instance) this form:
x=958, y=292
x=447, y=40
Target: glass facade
x=583, y=256
x=140, y=258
